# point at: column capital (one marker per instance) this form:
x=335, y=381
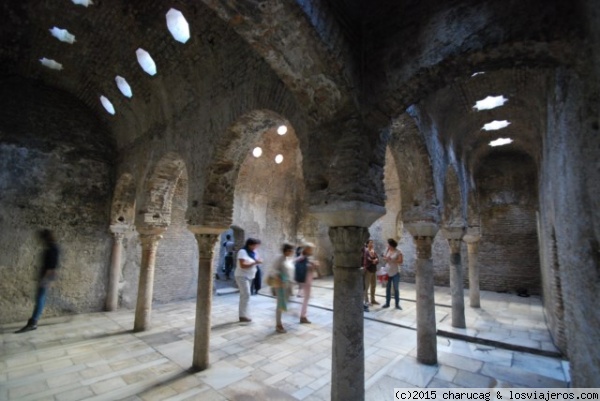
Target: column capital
x=120, y=228
x=472, y=235
x=201, y=229
x=206, y=244
x=420, y=229
x=347, y=243
x=454, y=235
x=149, y=236
x=347, y=213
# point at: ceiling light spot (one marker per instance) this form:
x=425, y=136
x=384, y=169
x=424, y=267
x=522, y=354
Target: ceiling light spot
x=257, y=152
x=477, y=73
x=178, y=25
x=490, y=102
x=107, y=105
x=501, y=142
x=123, y=86
x=146, y=61
x=279, y=159
x=63, y=35
x=52, y=64
x=282, y=130
x=495, y=125
x=84, y=3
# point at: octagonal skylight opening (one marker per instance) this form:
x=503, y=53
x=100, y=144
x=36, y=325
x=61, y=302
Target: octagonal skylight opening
x=282, y=130
x=490, y=102
x=108, y=106
x=84, y=3
x=63, y=35
x=52, y=64
x=501, y=142
x=257, y=152
x=496, y=125
x=178, y=25
x=477, y=73
x=146, y=61
x=279, y=159
x=123, y=86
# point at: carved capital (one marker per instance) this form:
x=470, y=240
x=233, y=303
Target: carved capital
x=347, y=243
x=455, y=245
x=423, y=244
x=206, y=244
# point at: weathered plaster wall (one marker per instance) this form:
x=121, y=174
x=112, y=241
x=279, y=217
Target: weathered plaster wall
x=56, y=173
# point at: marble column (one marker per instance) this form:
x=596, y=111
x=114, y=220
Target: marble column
x=348, y=369
x=454, y=236
x=473, y=251
x=423, y=235
x=112, y=294
x=206, y=237
x=348, y=223
x=149, y=238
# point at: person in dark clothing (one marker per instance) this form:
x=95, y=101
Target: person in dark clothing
x=46, y=276
x=257, y=282
x=229, y=246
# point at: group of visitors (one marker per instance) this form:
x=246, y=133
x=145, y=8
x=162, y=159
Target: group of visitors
x=389, y=272
x=288, y=269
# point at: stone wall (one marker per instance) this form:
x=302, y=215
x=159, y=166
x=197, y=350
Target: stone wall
x=56, y=173
x=570, y=223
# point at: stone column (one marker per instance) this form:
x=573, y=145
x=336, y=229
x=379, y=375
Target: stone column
x=423, y=235
x=473, y=251
x=112, y=294
x=348, y=370
x=149, y=238
x=454, y=236
x=348, y=222
x=206, y=237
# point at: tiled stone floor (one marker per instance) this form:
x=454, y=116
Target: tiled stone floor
x=97, y=357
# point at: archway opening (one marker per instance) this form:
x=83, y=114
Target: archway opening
x=509, y=246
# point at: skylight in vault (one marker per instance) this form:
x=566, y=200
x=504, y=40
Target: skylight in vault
x=496, y=125
x=108, y=106
x=501, y=142
x=52, y=64
x=63, y=35
x=146, y=61
x=84, y=3
x=490, y=102
x=123, y=86
x=178, y=25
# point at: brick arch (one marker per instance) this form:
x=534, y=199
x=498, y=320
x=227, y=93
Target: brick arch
x=222, y=172
x=123, y=204
x=159, y=189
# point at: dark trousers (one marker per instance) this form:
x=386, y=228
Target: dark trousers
x=228, y=265
x=394, y=280
x=40, y=302
x=257, y=282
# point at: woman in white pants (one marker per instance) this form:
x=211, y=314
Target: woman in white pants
x=247, y=260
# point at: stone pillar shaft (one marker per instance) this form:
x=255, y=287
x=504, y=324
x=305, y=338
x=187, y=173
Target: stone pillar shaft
x=456, y=285
x=206, y=243
x=143, y=307
x=112, y=295
x=474, y=295
x=348, y=368
x=426, y=322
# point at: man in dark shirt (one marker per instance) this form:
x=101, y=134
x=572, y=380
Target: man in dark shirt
x=46, y=277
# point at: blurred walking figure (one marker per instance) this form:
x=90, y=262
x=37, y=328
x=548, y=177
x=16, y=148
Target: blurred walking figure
x=47, y=276
x=248, y=259
x=279, y=279
x=305, y=266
